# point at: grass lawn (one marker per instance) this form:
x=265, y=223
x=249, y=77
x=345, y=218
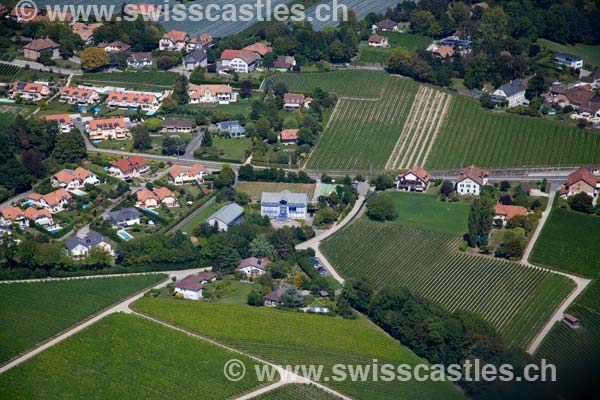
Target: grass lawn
x=125, y=356
x=234, y=292
x=123, y=145
x=590, y=54
x=199, y=218
x=255, y=189
x=232, y=149
x=409, y=41
x=33, y=312
x=289, y=337
x=297, y=392
x=158, y=79
x=56, y=107
x=373, y=55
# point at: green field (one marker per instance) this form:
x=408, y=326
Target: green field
x=368, y=84
x=199, y=218
x=590, y=54
x=33, y=312
x=138, y=80
x=297, y=392
x=127, y=357
x=9, y=72
x=233, y=150
x=407, y=40
x=517, y=300
x=255, y=189
x=294, y=338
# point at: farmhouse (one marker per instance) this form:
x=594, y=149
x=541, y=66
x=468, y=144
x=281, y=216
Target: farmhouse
x=78, y=247
x=284, y=63
x=53, y=202
x=233, y=127
x=222, y=94
x=259, y=49
x=581, y=181
x=124, y=218
x=34, y=49
x=289, y=136
x=513, y=93
x=191, y=286
x=78, y=95
x=139, y=60
x=378, y=41
x=226, y=216
x=197, y=58
x=151, y=199
x=203, y=41
x=387, y=25
x=570, y=60
x=471, y=180
x=41, y=217
x=133, y=100
x=254, y=266
x=177, y=126
x=240, y=61
x=506, y=213
x=115, y=47
x=63, y=121
x=72, y=180
x=30, y=91
x=128, y=168
x=284, y=205
x=179, y=175
x=10, y=216
x=109, y=128
x=174, y=41
x=415, y=179
x=295, y=101
x=85, y=31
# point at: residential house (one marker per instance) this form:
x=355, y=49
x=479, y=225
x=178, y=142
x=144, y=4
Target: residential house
x=233, y=127
x=129, y=168
x=378, y=41
x=116, y=128
x=133, y=100
x=174, y=41
x=505, y=213
x=115, y=47
x=197, y=58
x=179, y=175
x=177, y=126
x=240, y=61
x=78, y=95
x=10, y=216
x=166, y=197
x=471, y=180
x=387, y=25
x=275, y=298
x=34, y=49
x=294, y=101
x=74, y=179
x=581, y=98
x=85, y=31
x=285, y=63
x=222, y=94
x=570, y=60
x=443, y=51
x=581, y=181
x=125, y=218
x=226, y=216
x=63, y=120
x=41, y=217
x=513, y=93
x=259, y=49
x=284, y=205
x=415, y=179
x=191, y=286
x=146, y=199
x=203, y=41
x=30, y=91
x=455, y=42
x=289, y=136
x=78, y=248
x=53, y=201
x=254, y=266
x=139, y=60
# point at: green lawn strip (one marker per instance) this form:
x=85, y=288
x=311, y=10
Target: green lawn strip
x=199, y=218
x=255, y=189
x=125, y=356
x=33, y=312
x=290, y=337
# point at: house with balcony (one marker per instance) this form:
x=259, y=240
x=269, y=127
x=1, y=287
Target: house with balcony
x=74, y=179
x=129, y=168
x=78, y=95
x=30, y=91
x=117, y=128
x=54, y=201
x=174, y=40
x=284, y=205
x=179, y=175
x=202, y=94
x=133, y=100
x=415, y=179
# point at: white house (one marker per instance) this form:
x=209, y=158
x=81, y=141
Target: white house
x=284, y=63
x=30, y=91
x=378, y=41
x=10, y=216
x=139, y=60
x=234, y=128
x=240, y=61
x=284, y=205
x=78, y=95
x=570, y=60
x=191, y=286
x=513, y=93
x=174, y=41
x=108, y=128
x=254, y=266
x=179, y=175
x=125, y=218
x=415, y=179
x=222, y=94
x=295, y=101
x=226, y=216
x=74, y=179
x=471, y=180
x=78, y=247
x=63, y=120
x=128, y=168
x=54, y=202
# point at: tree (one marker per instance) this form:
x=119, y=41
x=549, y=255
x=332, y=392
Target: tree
x=246, y=173
x=582, y=202
x=399, y=61
x=225, y=178
x=173, y=145
x=255, y=299
x=169, y=104
x=481, y=216
x=486, y=101
x=245, y=89
x=32, y=160
x=180, y=90
x=70, y=147
x=260, y=247
x=381, y=207
x=384, y=181
x=447, y=188
x=153, y=124
x=325, y=216
x=93, y=58
x=141, y=138
x=359, y=293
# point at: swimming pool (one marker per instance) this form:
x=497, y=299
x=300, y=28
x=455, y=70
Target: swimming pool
x=27, y=203
x=78, y=192
x=54, y=230
x=151, y=211
x=124, y=235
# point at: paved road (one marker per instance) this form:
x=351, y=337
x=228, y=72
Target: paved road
x=192, y=215
x=193, y=145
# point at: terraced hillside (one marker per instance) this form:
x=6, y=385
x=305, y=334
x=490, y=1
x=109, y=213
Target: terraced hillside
x=516, y=299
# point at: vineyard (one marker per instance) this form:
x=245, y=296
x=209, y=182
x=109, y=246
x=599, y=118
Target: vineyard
x=344, y=83
x=9, y=72
x=297, y=392
x=127, y=357
x=360, y=7
x=33, y=312
x=301, y=339
x=515, y=299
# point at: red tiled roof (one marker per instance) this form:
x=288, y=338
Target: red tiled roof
x=377, y=39
x=145, y=195
x=248, y=57
x=175, y=36
x=582, y=174
x=444, y=51
x=259, y=48
x=29, y=87
x=128, y=164
x=475, y=174
x=191, y=282
x=510, y=211
x=60, y=118
x=419, y=172
x=293, y=98
x=11, y=213
x=42, y=44
x=163, y=192
x=33, y=214
x=107, y=123
x=289, y=134
x=131, y=97
x=71, y=91
x=198, y=91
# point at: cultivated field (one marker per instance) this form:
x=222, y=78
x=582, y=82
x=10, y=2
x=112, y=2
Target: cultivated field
x=515, y=299
x=33, y=312
x=285, y=337
x=255, y=189
x=127, y=357
x=344, y=83
x=155, y=81
x=9, y=72
x=297, y=392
